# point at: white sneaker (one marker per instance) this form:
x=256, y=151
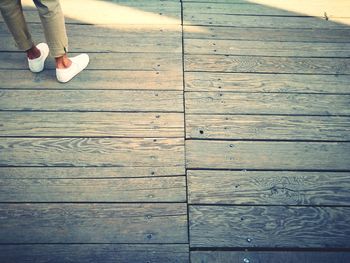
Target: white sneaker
x=79, y=63
x=37, y=65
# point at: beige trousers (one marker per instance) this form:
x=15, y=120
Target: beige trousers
x=51, y=17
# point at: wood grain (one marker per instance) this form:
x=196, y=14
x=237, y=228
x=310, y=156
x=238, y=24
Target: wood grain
x=88, y=172
x=79, y=223
x=93, y=79
x=252, y=82
x=269, y=226
x=256, y=64
x=265, y=257
x=268, y=188
x=266, y=103
x=334, y=35
x=266, y=48
x=156, y=189
x=91, y=124
x=268, y=155
x=90, y=253
x=242, y=8
x=108, y=61
x=91, y=100
x=261, y=21
x=160, y=152
x=255, y=127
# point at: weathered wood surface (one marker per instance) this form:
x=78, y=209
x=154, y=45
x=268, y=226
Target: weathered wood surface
x=111, y=45
x=156, y=189
x=92, y=253
x=260, y=21
x=257, y=127
x=261, y=64
x=93, y=124
x=266, y=48
x=91, y=100
x=88, y=172
x=109, y=61
x=268, y=188
x=267, y=103
x=93, y=79
x=334, y=35
x=244, y=8
x=80, y=223
x=268, y=155
x=87, y=38
x=267, y=257
x=157, y=152
x=89, y=253
x=269, y=226
x=242, y=82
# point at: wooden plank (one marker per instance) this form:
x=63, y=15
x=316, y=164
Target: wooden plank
x=156, y=189
x=91, y=124
x=126, y=31
x=110, y=61
x=269, y=34
x=242, y=82
x=91, y=79
x=254, y=127
x=91, y=100
x=261, y=21
x=79, y=223
x=136, y=16
x=269, y=226
x=89, y=253
x=264, y=256
x=244, y=8
x=158, y=152
x=268, y=188
x=87, y=172
x=257, y=64
x=110, y=44
x=268, y=155
x=87, y=38
x=266, y=103
x=266, y=48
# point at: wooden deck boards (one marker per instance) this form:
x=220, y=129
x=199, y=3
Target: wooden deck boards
x=202, y=131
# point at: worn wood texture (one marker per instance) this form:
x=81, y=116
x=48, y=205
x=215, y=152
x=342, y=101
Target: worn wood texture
x=158, y=152
x=93, y=124
x=110, y=61
x=87, y=38
x=88, y=172
x=268, y=155
x=260, y=21
x=257, y=127
x=93, y=79
x=260, y=64
x=92, y=253
x=327, y=35
x=267, y=257
x=267, y=103
x=91, y=100
x=243, y=8
x=269, y=226
x=252, y=82
x=268, y=188
x=80, y=223
x=156, y=189
x=266, y=48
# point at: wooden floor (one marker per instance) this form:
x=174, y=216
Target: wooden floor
x=202, y=131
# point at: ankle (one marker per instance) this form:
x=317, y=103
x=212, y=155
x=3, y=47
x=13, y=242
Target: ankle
x=33, y=52
x=63, y=62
